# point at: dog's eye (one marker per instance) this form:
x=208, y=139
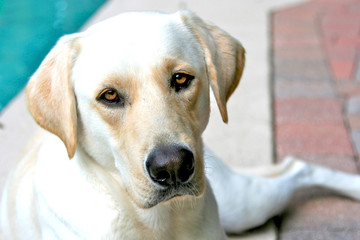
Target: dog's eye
x=110, y=96
x=180, y=81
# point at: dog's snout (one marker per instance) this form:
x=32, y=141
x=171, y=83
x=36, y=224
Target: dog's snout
x=169, y=166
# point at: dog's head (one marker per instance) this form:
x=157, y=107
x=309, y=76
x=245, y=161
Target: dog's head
x=132, y=93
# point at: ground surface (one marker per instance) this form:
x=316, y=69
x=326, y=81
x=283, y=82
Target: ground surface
x=316, y=59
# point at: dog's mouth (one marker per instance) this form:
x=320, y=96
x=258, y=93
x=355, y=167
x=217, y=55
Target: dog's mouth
x=164, y=195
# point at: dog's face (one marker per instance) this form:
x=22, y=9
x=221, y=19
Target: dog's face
x=142, y=91
x=133, y=94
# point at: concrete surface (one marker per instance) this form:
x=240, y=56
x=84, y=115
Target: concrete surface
x=248, y=138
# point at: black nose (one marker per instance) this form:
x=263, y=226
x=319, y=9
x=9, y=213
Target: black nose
x=170, y=165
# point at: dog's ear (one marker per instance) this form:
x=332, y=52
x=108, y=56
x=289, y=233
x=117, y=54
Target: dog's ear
x=224, y=55
x=50, y=95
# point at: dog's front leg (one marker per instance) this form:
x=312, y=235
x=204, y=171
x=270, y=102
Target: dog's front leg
x=248, y=201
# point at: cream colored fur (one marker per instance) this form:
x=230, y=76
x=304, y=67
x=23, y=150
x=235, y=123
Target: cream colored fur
x=87, y=179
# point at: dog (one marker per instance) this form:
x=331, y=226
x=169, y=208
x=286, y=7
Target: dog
x=125, y=104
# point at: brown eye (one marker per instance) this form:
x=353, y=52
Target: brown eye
x=180, y=81
x=110, y=97
x=180, y=78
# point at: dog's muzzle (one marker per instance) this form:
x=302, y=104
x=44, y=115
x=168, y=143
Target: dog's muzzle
x=172, y=171
x=170, y=166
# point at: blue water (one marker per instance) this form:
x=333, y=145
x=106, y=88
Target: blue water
x=28, y=30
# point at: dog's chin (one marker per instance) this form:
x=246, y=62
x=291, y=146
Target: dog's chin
x=168, y=194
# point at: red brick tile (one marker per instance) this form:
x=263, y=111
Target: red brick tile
x=337, y=52
x=320, y=215
x=354, y=121
x=286, y=29
x=295, y=89
x=348, y=89
x=300, y=138
x=325, y=6
x=301, y=53
x=357, y=72
x=302, y=110
x=321, y=234
x=342, y=69
x=341, y=18
x=345, y=163
x=337, y=28
x=301, y=13
x=303, y=41
x=331, y=3
x=348, y=41
x=354, y=8
x=314, y=208
x=301, y=70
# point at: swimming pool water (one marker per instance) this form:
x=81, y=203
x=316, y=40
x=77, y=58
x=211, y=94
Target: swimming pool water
x=28, y=30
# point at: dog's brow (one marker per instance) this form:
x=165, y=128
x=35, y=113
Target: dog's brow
x=116, y=81
x=173, y=65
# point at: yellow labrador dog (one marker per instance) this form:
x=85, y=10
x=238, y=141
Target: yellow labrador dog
x=126, y=102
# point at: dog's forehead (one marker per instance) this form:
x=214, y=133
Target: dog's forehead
x=137, y=42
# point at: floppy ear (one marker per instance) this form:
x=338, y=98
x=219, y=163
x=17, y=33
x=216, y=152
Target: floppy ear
x=224, y=55
x=50, y=95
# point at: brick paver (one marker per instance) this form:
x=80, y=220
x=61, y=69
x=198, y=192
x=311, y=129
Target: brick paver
x=316, y=56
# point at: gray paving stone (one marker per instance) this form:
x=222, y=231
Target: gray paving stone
x=301, y=70
x=357, y=70
x=306, y=89
x=355, y=135
x=353, y=106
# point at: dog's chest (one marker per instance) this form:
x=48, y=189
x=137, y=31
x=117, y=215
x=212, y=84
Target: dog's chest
x=109, y=223
x=157, y=223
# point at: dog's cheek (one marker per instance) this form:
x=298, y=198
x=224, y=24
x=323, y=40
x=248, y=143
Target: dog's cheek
x=199, y=177
x=129, y=161
x=200, y=104
x=204, y=109
x=142, y=193
x=94, y=136
x=137, y=187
